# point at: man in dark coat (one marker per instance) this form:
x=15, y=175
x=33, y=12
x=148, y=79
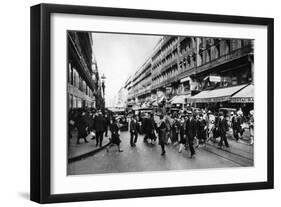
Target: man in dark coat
x=201, y=129
x=222, y=128
x=149, y=127
x=133, y=131
x=236, y=125
x=100, y=126
x=191, y=133
x=82, y=126
x=161, y=129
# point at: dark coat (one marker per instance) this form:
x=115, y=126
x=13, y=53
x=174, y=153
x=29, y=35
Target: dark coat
x=182, y=132
x=191, y=128
x=162, y=132
x=201, y=129
x=182, y=128
x=115, y=139
x=133, y=126
x=90, y=122
x=100, y=123
x=81, y=126
x=222, y=126
x=236, y=123
x=149, y=125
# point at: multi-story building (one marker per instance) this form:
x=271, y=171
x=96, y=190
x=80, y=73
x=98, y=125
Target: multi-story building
x=122, y=98
x=83, y=78
x=191, y=68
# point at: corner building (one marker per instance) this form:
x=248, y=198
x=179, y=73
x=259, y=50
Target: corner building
x=83, y=80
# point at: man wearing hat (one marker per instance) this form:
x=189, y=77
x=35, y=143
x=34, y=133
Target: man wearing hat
x=235, y=122
x=99, y=126
x=133, y=131
x=191, y=132
x=222, y=128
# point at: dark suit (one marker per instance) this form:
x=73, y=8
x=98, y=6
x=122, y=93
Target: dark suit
x=201, y=130
x=236, y=127
x=82, y=128
x=222, y=128
x=161, y=129
x=191, y=132
x=133, y=132
x=100, y=126
x=149, y=127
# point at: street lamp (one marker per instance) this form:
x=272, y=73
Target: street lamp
x=102, y=83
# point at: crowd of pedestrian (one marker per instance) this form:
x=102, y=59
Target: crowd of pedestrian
x=85, y=123
x=187, y=130
x=193, y=129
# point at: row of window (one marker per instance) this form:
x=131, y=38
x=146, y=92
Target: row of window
x=77, y=81
x=76, y=102
x=166, y=49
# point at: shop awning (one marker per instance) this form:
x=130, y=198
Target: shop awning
x=217, y=95
x=246, y=95
x=180, y=99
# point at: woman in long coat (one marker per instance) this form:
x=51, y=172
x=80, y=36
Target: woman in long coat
x=175, y=130
x=115, y=136
x=202, y=126
x=162, y=128
x=182, y=134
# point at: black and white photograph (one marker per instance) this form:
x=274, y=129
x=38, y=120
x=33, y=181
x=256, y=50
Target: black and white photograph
x=152, y=102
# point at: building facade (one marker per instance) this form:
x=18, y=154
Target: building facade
x=190, y=65
x=83, y=88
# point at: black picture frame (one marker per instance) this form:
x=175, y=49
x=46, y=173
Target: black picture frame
x=41, y=98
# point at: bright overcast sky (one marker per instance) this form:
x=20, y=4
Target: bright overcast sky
x=118, y=56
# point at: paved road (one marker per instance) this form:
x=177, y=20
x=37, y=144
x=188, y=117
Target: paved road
x=147, y=157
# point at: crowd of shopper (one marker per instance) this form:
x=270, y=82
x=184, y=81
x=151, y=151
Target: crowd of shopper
x=192, y=129
x=187, y=130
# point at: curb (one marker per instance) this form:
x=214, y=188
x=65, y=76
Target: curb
x=90, y=153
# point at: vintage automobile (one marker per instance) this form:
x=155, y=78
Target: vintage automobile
x=120, y=115
x=142, y=115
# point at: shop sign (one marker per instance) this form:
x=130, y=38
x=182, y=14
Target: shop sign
x=242, y=100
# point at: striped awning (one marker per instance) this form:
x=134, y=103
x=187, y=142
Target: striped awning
x=217, y=95
x=180, y=99
x=246, y=95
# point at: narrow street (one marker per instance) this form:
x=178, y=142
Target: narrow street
x=146, y=157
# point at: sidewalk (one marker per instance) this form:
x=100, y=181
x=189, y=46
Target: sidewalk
x=82, y=150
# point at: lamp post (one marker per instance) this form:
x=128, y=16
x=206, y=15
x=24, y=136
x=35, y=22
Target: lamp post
x=103, y=84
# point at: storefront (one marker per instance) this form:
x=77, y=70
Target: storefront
x=218, y=98
x=244, y=99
